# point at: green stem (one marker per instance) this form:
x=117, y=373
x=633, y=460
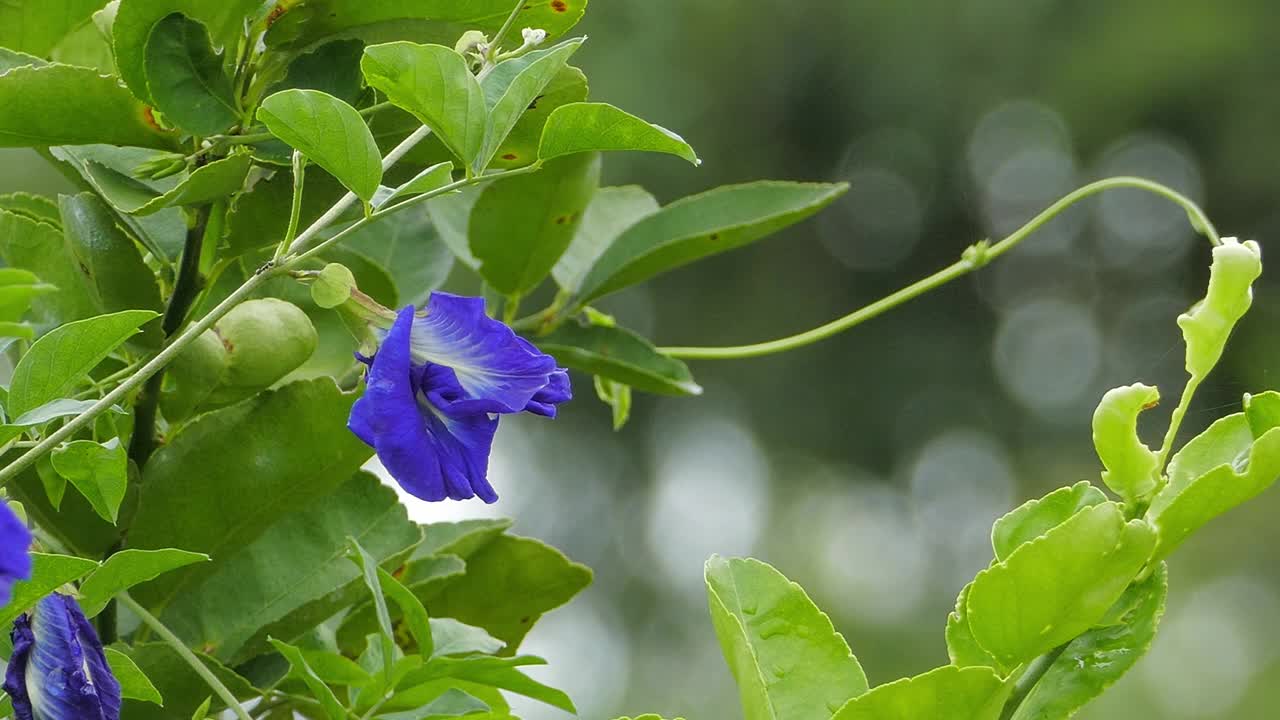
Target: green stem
x=295, y=206
x=1175, y=421
x=1029, y=679
x=502, y=33
x=975, y=258
x=181, y=648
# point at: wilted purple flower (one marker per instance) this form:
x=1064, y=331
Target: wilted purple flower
x=15, y=560
x=436, y=386
x=58, y=670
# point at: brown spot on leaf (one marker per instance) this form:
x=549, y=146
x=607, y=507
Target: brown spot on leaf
x=559, y=5
x=149, y=117
x=1151, y=404
x=534, y=105
x=524, y=620
x=510, y=156
x=275, y=14
x=715, y=236
x=562, y=219
x=226, y=344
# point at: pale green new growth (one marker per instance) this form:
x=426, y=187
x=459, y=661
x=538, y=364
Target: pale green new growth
x=1132, y=467
x=1206, y=326
x=945, y=693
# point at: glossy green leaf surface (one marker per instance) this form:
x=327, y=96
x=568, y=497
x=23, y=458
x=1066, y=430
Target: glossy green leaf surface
x=35, y=27
x=701, y=225
x=521, y=146
x=1037, y=517
x=945, y=693
x=1132, y=467
x=618, y=354
x=329, y=133
x=503, y=673
x=61, y=359
x=66, y=105
x=207, y=183
x=185, y=77
x=520, y=226
x=100, y=471
x=1098, y=658
x=39, y=247
x=127, y=568
x=321, y=692
x=1057, y=586
x=431, y=179
x=409, y=248
x=48, y=573
x=788, y=659
x=611, y=211
x=296, y=443
x=134, y=684
x=1262, y=411
x=512, y=87
x=599, y=127
x=182, y=689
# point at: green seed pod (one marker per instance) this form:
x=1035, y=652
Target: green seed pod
x=264, y=340
x=332, y=286
x=193, y=376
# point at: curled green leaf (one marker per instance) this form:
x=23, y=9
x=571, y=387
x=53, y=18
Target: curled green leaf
x=1205, y=326
x=1132, y=467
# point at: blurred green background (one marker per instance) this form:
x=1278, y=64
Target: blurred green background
x=870, y=467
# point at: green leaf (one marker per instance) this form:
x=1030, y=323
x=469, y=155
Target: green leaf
x=135, y=19
x=335, y=669
x=35, y=27
x=1216, y=471
x=1037, y=517
x=429, y=180
x=503, y=673
x=321, y=692
x=521, y=146
x=369, y=571
x=787, y=658
x=1057, y=586
x=329, y=133
x=10, y=59
x=59, y=360
x=48, y=573
x=945, y=693
x=424, y=578
x=116, y=276
x=620, y=355
x=415, y=615
x=52, y=410
x=509, y=584
x=18, y=290
x=214, y=181
x=962, y=647
x=520, y=226
x=612, y=210
x=451, y=703
x=1097, y=659
x=295, y=574
x=1206, y=326
x=134, y=684
x=451, y=216
x=1262, y=411
x=72, y=522
x=40, y=248
x=61, y=104
x=185, y=77
x=257, y=461
x=512, y=87
x=1132, y=467
x=434, y=83
x=34, y=207
x=701, y=225
x=112, y=172
x=454, y=638
x=407, y=245
x=617, y=396
x=592, y=127
x=99, y=471
x=260, y=217
x=202, y=712
x=180, y=686
x=127, y=568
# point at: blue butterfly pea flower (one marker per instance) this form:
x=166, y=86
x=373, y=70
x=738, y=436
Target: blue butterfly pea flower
x=435, y=389
x=58, y=670
x=15, y=561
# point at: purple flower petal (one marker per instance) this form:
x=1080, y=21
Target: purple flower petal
x=15, y=560
x=490, y=361
x=58, y=670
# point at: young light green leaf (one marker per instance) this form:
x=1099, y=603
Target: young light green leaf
x=99, y=471
x=330, y=133
x=1132, y=467
x=598, y=127
x=434, y=83
x=48, y=573
x=202, y=712
x=18, y=290
x=109, y=262
x=503, y=673
x=612, y=210
x=1206, y=325
x=1037, y=517
x=61, y=104
x=1098, y=658
x=617, y=396
x=321, y=692
x=512, y=87
x=134, y=684
x=451, y=703
x=454, y=638
x=369, y=570
x=127, y=568
x=520, y=226
x=335, y=669
x=618, y=354
x=962, y=647
x=37, y=27
x=1262, y=411
x=1197, y=494
x=214, y=181
x=945, y=693
x=185, y=77
x=1057, y=586
x=59, y=360
x=701, y=225
x=412, y=611
x=429, y=180
x=788, y=659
